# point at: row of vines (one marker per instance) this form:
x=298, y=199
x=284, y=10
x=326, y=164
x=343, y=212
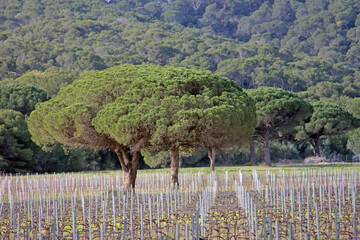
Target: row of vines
x=267, y=204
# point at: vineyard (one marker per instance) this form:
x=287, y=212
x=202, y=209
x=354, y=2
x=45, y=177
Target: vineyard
x=299, y=203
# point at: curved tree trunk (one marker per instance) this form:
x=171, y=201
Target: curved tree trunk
x=315, y=143
x=133, y=170
x=267, y=149
x=174, y=166
x=252, y=152
x=212, y=155
x=129, y=165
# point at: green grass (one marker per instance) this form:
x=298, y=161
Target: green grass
x=223, y=169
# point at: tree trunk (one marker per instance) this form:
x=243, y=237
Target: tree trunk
x=252, y=152
x=174, y=166
x=129, y=165
x=212, y=155
x=134, y=167
x=180, y=162
x=267, y=149
x=317, y=147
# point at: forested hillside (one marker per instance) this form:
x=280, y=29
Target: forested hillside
x=289, y=44
x=308, y=46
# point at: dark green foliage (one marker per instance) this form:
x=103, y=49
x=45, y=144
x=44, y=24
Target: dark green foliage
x=290, y=44
x=73, y=161
x=337, y=145
x=354, y=135
x=16, y=148
x=16, y=153
x=179, y=107
x=129, y=108
x=309, y=96
x=327, y=119
x=21, y=97
x=277, y=110
x=353, y=142
x=335, y=90
x=281, y=150
x=156, y=159
x=51, y=80
x=67, y=119
x=354, y=107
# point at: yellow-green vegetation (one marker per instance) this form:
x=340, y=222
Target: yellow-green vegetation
x=260, y=168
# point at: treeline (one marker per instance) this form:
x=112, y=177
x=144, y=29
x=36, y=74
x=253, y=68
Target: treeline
x=310, y=47
x=138, y=113
x=147, y=110
x=292, y=44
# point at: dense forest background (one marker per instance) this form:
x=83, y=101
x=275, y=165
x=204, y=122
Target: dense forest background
x=306, y=46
